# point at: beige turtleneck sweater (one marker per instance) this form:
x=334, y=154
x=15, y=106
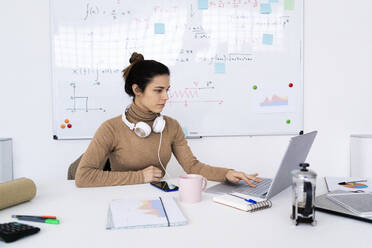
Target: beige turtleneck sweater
x=129, y=154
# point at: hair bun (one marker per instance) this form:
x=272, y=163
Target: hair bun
x=136, y=57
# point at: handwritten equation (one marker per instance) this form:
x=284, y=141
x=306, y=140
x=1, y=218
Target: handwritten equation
x=88, y=71
x=232, y=3
x=232, y=57
x=95, y=10
x=270, y=21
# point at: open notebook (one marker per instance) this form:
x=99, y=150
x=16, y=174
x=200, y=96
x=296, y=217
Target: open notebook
x=137, y=213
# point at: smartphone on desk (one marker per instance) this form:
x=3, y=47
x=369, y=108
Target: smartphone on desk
x=163, y=186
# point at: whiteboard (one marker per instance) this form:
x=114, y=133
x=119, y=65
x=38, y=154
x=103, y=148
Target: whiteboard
x=236, y=65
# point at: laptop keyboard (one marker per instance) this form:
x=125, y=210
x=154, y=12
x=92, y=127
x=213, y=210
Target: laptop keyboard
x=242, y=187
x=261, y=188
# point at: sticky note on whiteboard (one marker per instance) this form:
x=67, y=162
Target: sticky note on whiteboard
x=265, y=8
x=267, y=39
x=185, y=132
x=289, y=4
x=219, y=68
x=159, y=28
x=202, y=4
x=273, y=1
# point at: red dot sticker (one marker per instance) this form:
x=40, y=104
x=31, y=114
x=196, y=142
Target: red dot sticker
x=69, y=125
x=290, y=85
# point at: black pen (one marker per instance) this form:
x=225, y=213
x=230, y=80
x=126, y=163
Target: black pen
x=32, y=216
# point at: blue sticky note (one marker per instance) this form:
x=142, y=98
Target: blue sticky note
x=219, y=68
x=185, y=132
x=273, y=1
x=267, y=39
x=159, y=28
x=265, y=8
x=202, y=4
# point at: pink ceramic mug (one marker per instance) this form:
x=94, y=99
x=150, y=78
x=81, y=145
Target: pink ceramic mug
x=191, y=187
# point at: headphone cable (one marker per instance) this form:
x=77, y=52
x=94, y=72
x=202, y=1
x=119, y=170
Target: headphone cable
x=166, y=173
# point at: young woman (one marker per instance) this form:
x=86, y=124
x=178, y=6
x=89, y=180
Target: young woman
x=139, y=143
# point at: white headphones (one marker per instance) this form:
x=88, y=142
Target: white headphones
x=141, y=128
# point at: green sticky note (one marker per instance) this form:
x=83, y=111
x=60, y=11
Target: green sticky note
x=289, y=4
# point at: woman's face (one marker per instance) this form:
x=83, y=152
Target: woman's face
x=155, y=95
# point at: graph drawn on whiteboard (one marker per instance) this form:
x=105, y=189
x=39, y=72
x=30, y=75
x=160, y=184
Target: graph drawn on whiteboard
x=80, y=103
x=197, y=93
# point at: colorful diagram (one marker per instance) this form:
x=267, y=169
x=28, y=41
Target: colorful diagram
x=274, y=101
x=354, y=185
x=153, y=207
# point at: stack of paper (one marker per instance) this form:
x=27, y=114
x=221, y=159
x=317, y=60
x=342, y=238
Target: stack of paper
x=349, y=184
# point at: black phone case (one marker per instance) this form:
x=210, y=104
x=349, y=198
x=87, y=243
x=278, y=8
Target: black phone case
x=165, y=190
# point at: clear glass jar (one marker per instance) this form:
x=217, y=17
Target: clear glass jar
x=303, y=195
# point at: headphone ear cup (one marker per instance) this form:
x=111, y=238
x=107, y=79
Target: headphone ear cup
x=142, y=129
x=158, y=125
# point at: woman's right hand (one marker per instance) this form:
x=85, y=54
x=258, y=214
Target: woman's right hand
x=152, y=174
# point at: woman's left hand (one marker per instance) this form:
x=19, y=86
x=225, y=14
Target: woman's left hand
x=236, y=176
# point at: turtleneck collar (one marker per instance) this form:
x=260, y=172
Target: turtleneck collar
x=135, y=113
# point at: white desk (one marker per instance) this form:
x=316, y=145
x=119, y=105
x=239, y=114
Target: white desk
x=83, y=213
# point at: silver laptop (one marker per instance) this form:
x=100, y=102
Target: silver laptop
x=297, y=151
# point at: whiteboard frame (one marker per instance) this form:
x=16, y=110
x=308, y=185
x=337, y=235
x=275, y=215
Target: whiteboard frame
x=301, y=107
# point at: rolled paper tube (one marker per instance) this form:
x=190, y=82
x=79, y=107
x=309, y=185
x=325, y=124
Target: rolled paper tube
x=16, y=191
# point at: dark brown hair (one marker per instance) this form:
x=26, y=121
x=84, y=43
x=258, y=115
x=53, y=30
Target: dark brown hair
x=141, y=72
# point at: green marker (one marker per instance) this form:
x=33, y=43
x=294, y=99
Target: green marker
x=52, y=221
x=288, y=121
x=254, y=87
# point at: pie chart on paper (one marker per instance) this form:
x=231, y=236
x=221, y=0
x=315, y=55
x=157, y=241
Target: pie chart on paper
x=355, y=185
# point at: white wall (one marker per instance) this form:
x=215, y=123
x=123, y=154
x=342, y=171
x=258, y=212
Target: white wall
x=338, y=86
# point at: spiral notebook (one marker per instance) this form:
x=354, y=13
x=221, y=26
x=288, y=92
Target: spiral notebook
x=239, y=201
x=137, y=213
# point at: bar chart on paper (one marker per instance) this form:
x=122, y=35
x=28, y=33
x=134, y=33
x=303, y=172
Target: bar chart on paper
x=137, y=213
